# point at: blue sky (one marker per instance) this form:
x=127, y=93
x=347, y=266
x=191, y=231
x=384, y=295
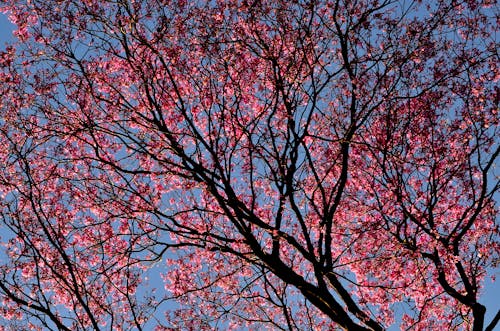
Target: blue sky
x=491, y=295
x=5, y=30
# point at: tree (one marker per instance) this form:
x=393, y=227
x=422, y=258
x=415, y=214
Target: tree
x=282, y=164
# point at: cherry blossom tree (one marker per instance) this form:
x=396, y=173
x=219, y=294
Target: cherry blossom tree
x=290, y=165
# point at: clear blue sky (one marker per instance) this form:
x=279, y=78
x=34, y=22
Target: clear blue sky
x=491, y=295
x=5, y=30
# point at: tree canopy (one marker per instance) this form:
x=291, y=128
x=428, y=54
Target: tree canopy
x=288, y=165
